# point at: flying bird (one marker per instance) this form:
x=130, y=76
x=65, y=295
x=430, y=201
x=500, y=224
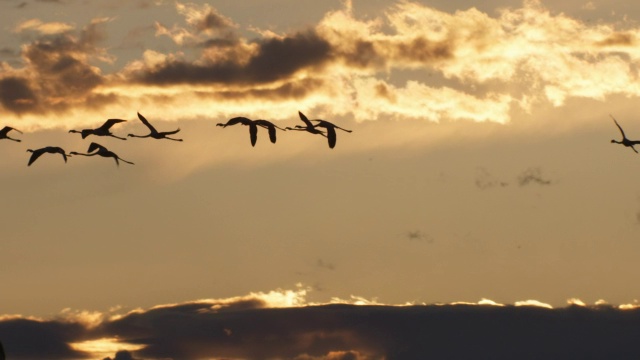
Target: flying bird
x=5, y=130
x=330, y=127
x=624, y=141
x=2, y=356
x=253, y=127
x=308, y=126
x=154, y=133
x=101, y=151
x=103, y=130
x=48, y=149
x=271, y=127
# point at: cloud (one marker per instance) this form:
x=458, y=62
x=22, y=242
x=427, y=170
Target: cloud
x=58, y=74
x=254, y=327
x=532, y=176
x=49, y=28
x=464, y=65
x=485, y=180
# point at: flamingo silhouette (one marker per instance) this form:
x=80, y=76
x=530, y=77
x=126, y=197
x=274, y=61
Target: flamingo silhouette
x=308, y=126
x=154, y=133
x=2, y=356
x=312, y=128
x=101, y=151
x=624, y=141
x=48, y=149
x=253, y=127
x=5, y=130
x=103, y=130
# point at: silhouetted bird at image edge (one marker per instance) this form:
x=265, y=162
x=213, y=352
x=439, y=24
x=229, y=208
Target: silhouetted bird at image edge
x=2, y=356
x=101, y=151
x=626, y=142
x=253, y=127
x=153, y=132
x=5, y=130
x=103, y=130
x=49, y=149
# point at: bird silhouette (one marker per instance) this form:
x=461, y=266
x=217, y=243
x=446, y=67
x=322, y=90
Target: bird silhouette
x=330, y=127
x=154, y=133
x=2, y=356
x=102, y=130
x=253, y=127
x=48, y=149
x=308, y=126
x=101, y=151
x=271, y=127
x=624, y=141
x=5, y=130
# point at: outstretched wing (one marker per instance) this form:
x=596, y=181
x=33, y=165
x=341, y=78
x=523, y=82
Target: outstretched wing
x=331, y=136
x=170, y=132
x=146, y=122
x=35, y=155
x=109, y=123
x=253, y=133
x=6, y=129
x=618, y=125
x=305, y=120
x=95, y=146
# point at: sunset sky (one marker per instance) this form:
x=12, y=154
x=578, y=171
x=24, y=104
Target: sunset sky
x=480, y=165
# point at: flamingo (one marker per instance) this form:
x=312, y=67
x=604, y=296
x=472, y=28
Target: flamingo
x=624, y=141
x=101, y=151
x=5, y=130
x=253, y=127
x=330, y=127
x=154, y=133
x=102, y=130
x=308, y=126
x=48, y=149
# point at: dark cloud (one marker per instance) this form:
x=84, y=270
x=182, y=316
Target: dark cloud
x=275, y=59
x=618, y=38
x=5, y=51
x=532, y=176
x=31, y=339
x=423, y=50
x=246, y=329
x=382, y=90
x=213, y=21
x=325, y=265
x=122, y=355
x=58, y=73
x=485, y=180
x=16, y=95
x=418, y=235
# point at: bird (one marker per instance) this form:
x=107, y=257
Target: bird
x=102, y=130
x=154, y=133
x=2, y=356
x=101, y=151
x=624, y=141
x=308, y=126
x=330, y=127
x=48, y=149
x=271, y=127
x=5, y=130
x=253, y=127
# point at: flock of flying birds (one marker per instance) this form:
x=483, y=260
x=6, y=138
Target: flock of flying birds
x=311, y=126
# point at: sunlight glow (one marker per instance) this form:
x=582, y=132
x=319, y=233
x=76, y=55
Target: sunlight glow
x=533, y=303
x=104, y=347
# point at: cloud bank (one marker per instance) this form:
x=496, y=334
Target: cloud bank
x=281, y=325
x=463, y=65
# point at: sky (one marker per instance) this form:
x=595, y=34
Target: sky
x=479, y=166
